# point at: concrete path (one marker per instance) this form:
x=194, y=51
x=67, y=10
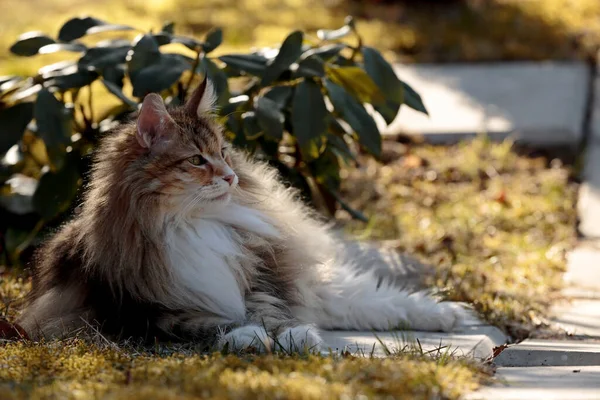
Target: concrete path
x=554, y=369
x=539, y=103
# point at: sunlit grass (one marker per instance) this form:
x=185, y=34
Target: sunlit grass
x=497, y=225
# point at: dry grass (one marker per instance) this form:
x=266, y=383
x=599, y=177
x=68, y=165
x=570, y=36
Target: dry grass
x=497, y=225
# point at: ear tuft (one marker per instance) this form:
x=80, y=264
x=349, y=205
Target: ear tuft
x=202, y=100
x=154, y=122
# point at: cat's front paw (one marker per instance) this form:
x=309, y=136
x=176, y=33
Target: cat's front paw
x=446, y=316
x=299, y=339
x=249, y=337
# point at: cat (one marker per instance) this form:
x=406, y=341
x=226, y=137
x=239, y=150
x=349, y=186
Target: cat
x=182, y=237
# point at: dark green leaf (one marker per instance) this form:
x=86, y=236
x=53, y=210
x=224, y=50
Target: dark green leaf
x=168, y=27
x=232, y=105
x=25, y=92
x=190, y=43
x=30, y=43
x=10, y=85
x=212, y=40
x=46, y=70
x=324, y=52
x=280, y=95
x=102, y=57
x=71, y=78
x=340, y=147
x=290, y=51
x=353, y=212
x=56, y=47
x=218, y=78
x=326, y=34
x=356, y=116
x=250, y=63
x=56, y=190
x=270, y=118
x=162, y=38
x=144, y=52
x=19, y=201
x=385, y=78
x=159, y=75
x=252, y=129
x=78, y=27
x=115, y=89
x=13, y=122
x=413, y=99
x=311, y=67
x=326, y=169
x=309, y=114
x=54, y=124
x=7, y=78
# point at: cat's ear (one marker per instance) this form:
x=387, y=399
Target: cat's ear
x=202, y=100
x=154, y=122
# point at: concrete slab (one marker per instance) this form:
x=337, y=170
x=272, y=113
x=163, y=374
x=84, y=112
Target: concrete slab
x=583, y=270
x=476, y=341
x=542, y=353
x=588, y=205
x=544, y=383
x=580, y=317
x=541, y=103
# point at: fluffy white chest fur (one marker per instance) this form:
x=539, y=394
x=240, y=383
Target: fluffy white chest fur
x=210, y=265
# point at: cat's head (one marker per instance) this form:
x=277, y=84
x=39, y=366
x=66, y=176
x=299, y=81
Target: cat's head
x=184, y=151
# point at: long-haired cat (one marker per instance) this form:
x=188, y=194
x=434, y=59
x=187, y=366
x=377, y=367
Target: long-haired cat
x=181, y=237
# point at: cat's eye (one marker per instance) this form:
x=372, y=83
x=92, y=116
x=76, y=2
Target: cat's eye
x=197, y=160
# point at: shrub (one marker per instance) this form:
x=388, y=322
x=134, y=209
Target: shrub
x=299, y=107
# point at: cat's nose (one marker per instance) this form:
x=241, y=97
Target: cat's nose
x=229, y=179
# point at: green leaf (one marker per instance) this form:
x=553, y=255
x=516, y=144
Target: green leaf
x=168, y=27
x=413, y=99
x=326, y=34
x=71, y=78
x=56, y=47
x=54, y=124
x=290, y=51
x=102, y=57
x=353, y=212
x=341, y=148
x=78, y=27
x=280, y=95
x=160, y=75
x=382, y=73
x=218, y=78
x=269, y=117
x=311, y=66
x=19, y=200
x=114, y=83
x=252, y=129
x=190, y=43
x=144, y=52
x=309, y=114
x=13, y=121
x=56, y=190
x=356, y=81
x=325, y=52
x=253, y=64
x=356, y=116
x=30, y=43
x=212, y=40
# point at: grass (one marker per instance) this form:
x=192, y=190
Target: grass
x=495, y=224
x=469, y=30
x=79, y=370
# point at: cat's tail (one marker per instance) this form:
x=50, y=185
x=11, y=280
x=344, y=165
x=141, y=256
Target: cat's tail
x=355, y=298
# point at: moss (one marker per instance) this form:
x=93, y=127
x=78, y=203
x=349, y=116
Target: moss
x=497, y=225
x=77, y=369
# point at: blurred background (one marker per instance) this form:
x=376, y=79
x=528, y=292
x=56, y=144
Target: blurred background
x=407, y=30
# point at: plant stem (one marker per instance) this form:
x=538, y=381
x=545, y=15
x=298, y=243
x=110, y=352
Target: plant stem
x=193, y=72
x=90, y=105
